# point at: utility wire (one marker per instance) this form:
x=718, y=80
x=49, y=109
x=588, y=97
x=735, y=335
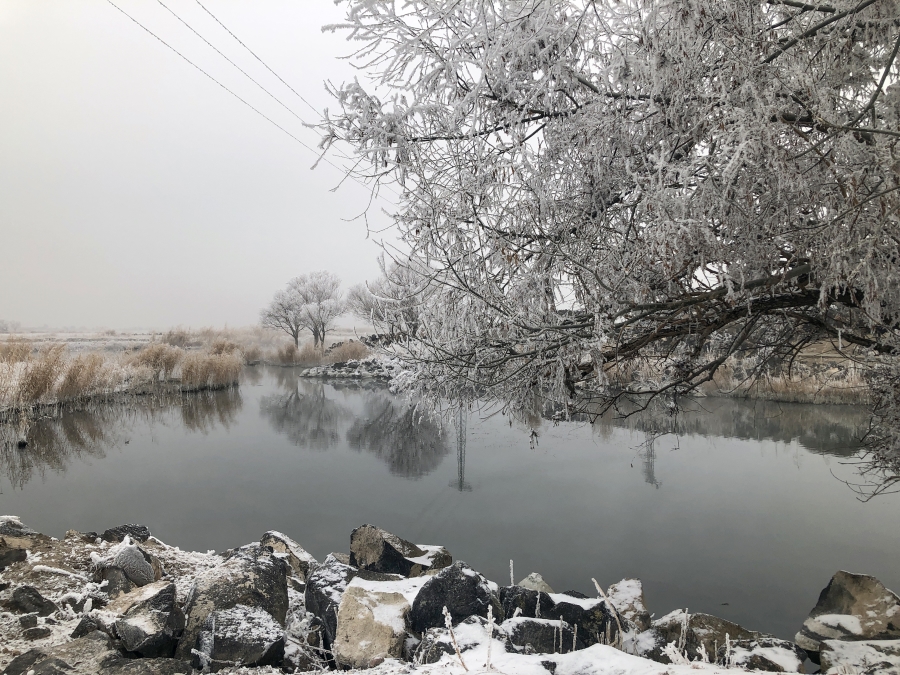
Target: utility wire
x=219, y=52
x=249, y=105
x=296, y=93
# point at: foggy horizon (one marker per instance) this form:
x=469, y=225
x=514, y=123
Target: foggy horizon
x=135, y=193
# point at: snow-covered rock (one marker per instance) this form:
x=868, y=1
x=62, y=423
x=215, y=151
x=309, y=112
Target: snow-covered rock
x=239, y=635
x=117, y=534
x=535, y=582
x=852, y=607
x=153, y=621
x=299, y=560
x=16, y=535
x=864, y=657
x=252, y=575
x=371, y=624
x=28, y=600
x=324, y=589
x=84, y=656
x=136, y=563
x=377, y=550
x=627, y=596
x=543, y=636
x=692, y=634
x=764, y=653
x=459, y=588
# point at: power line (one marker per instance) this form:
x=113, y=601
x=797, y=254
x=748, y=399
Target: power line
x=296, y=93
x=219, y=52
x=249, y=105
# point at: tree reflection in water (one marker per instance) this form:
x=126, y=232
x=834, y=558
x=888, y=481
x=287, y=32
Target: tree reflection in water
x=410, y=443
x=55, y=442
x=308, y=413
x=304, y=413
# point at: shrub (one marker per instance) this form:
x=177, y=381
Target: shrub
x=161, y=359
x=252, y=354
x=83, y=377
x=15, y=350
x=348, y=351
x=223, y=346
x=41, y=373
x=287, y=354
x=210, y=371
x=309, y=355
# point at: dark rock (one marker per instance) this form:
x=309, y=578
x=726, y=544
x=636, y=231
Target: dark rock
x=377, y=550
x=299, y=560
x=21, y=664
x=10, y=526
x=459, y=588
x=10, y=556
x=437, y=641
x=702, y=632
x=85, y=655
x=251, y=575
x=549, y=666
x=86, y=626
x=240, y=635
x=575, y=594
x=852, y=607
x=38, y=633
x=147, y=667
x=21, y=444
x=152, y=625
x=764, y=653
x=49, y=666
x=28, y=621
x=118, y=533
x=117, y=581
x=542, y=634
x=27, y=600
x=594, y=618
x=324, y=589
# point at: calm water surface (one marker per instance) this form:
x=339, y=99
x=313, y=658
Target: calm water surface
x=742, y=514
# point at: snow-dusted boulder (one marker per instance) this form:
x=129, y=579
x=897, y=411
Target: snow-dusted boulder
x=28, y=600
x=535, y=582
x=84, y=656
x=252, y=575
x=152, y=623
x=865, y=657
x=852, y=607
x=470, y=634
x=459, y=588
x=541, y=636
x=139, y=566
x=239, y=635
x=9, y=555
x=521, y=601
x=371, y=624
x=627, y=596
x=146, y=667
x=377, y=550
x=296, y=556
x=117, y=534
x=764, y=653
x=14, y=534
x=324, y=589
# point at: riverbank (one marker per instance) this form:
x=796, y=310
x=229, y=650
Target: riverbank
x=122, y=601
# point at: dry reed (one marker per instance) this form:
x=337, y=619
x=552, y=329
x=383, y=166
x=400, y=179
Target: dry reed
x=210, y=371
x=348, y=351
x=41, y=372
x=83, y=378
x=160, y=358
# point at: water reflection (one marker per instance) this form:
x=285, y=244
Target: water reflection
x=821, y=429
x=411, y=444
x=304, y=413
x=55, y=442
x=318, y=416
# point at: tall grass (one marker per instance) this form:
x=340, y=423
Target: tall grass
x=348, y=351
x=160, y=358
x=210, y=371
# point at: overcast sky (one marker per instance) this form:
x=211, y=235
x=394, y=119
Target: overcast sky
x=135, y=192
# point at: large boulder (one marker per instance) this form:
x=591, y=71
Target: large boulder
x=299, y=560
x=9, y=555
x=16, y=535
x=542, y=636
x=324, y=589
x=851, y=607
x=239, y=635
x=377, y=550
x=85, y=656
x=28, y=600
x=459, y=588
x=252, y=575
x=865, y=657
x=372, y=621
x=153, y=623
x=763, y=653
x=627, y=596
x=469, y=634
x=596, y=621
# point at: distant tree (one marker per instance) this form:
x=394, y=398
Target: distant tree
x=311, y=302
x=391, y=302
x=286, y=313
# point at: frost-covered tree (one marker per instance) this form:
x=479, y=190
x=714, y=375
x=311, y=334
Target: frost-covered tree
x=311, y=301
x=391, y=302
x=640, y=187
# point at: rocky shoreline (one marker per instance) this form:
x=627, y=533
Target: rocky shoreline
x=122, y=602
